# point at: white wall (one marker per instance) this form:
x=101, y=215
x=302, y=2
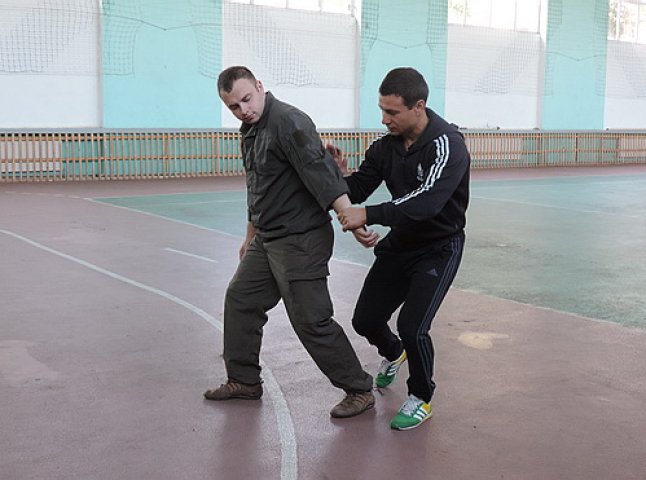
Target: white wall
x=48, y=101
x=625, y=113
x=328, y=108
x=491, y=111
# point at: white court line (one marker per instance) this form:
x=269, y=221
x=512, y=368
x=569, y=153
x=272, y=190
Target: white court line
x=208, y=229
x=547, y=183
x=288, y=447
x=203, y=202
x=544, y=205
x=178, y=194
x=154, y=215
x=192, y=255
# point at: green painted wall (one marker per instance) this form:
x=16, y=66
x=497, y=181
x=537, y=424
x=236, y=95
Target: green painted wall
x=575, y=64
x=153, y=74
x=407, y=33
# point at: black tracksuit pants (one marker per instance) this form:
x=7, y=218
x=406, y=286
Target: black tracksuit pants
x=418, y=282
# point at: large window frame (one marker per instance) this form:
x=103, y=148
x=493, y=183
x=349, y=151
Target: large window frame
x=517, y=15
x=348, y=7
x=627, y=21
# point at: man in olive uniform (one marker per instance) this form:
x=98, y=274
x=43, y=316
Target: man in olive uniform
x=292, y=182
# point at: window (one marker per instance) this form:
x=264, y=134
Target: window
x=641, y=26
x=332, y=6
x=304, y=4
x=270, y=3
x=457, y=11
x=506, y=14
x=627, y=21
x=337, y=6
x=503, y=14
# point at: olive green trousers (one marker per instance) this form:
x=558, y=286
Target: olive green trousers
x=294, y=269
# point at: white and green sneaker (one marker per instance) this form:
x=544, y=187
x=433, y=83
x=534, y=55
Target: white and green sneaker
x=412, y=413
x=388, y=371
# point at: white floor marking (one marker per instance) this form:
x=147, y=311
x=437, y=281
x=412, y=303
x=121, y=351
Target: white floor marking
x=177, y=194
x=192, y=255
x=288, y=447
x=557, y=207
x=154, y=215
x=169, y=219
x=203, y=202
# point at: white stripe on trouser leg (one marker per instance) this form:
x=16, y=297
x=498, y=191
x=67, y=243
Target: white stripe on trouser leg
x=434, y=306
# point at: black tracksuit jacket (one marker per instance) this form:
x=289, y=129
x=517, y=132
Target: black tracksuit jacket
x=429, y=185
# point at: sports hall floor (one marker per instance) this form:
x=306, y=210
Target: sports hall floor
x=111, y=329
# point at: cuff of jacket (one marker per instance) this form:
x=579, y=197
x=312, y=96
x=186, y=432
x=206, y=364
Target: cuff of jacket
x=375, y=215
x=327, y=198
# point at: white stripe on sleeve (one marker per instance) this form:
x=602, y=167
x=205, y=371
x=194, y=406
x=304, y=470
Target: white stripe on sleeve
x=442, y=157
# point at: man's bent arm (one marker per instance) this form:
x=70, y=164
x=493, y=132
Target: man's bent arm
x=366, y=237
x=341, y=203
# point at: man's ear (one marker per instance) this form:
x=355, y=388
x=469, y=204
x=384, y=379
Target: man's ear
x=259, y=86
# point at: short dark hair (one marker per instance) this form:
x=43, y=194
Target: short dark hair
x=407, y=83
x=230, y=75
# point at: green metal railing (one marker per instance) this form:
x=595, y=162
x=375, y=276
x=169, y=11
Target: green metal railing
x=75, y=155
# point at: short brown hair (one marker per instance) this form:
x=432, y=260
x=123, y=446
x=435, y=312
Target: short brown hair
x=231, y=74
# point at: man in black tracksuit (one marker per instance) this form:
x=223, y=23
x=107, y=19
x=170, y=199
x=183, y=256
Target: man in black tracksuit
x=425, y=164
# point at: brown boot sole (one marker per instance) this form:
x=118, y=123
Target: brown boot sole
x=213, y=395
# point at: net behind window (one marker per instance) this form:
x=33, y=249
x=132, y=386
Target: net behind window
x=55, y=37
x=292, y=47
x=626, y=70
x=493, y=61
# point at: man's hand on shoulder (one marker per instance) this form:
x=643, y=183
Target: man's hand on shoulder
x=339, y=159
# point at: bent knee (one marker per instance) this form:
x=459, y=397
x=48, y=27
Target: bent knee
x=363, y=326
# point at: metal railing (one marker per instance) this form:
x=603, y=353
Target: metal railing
x=82, y=155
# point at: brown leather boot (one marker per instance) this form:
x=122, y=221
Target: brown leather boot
x=353, y=404
x=232, y=389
